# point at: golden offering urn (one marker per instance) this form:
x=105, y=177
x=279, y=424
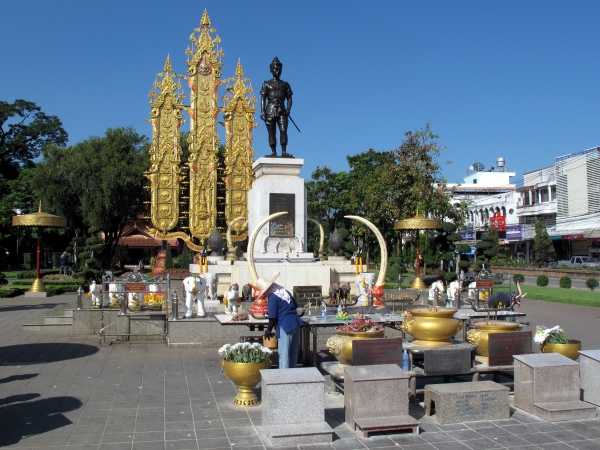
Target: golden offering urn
x=39, y=220
x=417, y=223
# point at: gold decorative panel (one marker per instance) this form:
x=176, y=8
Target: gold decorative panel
x=204, y=70
x=206, y=177
x=166, y=100
x=238, y=112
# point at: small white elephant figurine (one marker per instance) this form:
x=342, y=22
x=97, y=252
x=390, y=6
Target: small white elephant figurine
x=211, y=284
x=453, y=291
x=195, y=289
x=364, y=282
x=232, y=296
x=96, y=295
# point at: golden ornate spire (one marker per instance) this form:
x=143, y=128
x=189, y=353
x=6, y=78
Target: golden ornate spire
x=239, y=123
x=166, y=101
x=205, y=21
x=168, y=67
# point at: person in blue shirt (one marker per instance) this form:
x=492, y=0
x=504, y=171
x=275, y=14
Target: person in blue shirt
x=283, y=316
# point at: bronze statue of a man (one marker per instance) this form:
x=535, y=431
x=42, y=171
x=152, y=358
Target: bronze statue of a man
x=276, y=112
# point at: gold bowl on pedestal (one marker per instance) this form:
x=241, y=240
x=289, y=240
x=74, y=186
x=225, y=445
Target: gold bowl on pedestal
x=479, y=336
x=570, y=350
x=340, y=345
x=432, y=328
x=246, y=376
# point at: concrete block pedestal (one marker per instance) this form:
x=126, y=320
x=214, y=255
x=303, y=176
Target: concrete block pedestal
x=467, y=402
x=589, y=373
x=293, y=402
x=376, y=398
x=547, y=385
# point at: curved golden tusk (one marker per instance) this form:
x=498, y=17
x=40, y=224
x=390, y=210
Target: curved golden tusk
x=322, y=237
x=384, y=253
x=251, y=267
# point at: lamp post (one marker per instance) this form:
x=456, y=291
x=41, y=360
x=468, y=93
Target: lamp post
x=39, y=220
x=417, y=223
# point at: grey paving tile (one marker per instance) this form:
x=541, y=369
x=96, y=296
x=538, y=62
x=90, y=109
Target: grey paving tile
x=211, y=433
x=564, y=436
x=407, y=439
x=376, y=442
x=149, y=436
x=348, y=444
x=84, y=439
x=207, y=424
x=585, y=445
x=481, y=444
x=434, y=437
x=419, y=447
x=156, y=445
x=112, y=438
x=181, y=445
x=116, y=446
x=88, y=429
x=519, y=429
x=511, y=441
x=149, y=426
x=588, y=433
x=453, y=445
x=463, y=435
x=180, y=435
x=179, y=426
x=540, y=439
x=237, y=432
x=248, y=441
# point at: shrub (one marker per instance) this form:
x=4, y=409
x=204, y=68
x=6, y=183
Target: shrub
x=450, y=277
x=10, y=292
x=592, y=283
x=565, y=282
x=518, y=277
x=3, y=279
x=28, y=260
x=542, y=280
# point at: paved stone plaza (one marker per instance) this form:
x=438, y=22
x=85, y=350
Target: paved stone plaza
x=65, y=392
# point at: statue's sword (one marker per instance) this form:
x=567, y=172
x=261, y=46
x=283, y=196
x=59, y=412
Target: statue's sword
x=294, y=124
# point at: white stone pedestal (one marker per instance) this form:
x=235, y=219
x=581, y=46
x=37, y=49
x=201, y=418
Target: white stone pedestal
x=277, y=180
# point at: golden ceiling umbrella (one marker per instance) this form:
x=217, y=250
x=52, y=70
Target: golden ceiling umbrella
x=417, y=223
x=40, y=220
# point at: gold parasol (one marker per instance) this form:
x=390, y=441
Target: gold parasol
x=40, y=220
x=417, y=223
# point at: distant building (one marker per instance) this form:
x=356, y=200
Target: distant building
x=489, y=192
x=537, y=201
x=578, y=203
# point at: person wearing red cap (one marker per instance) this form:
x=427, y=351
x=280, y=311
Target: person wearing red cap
x=283, y=316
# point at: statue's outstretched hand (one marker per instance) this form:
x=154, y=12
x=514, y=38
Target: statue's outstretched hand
x=262, y=116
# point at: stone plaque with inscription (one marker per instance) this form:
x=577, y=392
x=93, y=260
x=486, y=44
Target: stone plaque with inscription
x=503, y=346
x=305, y=294
x=284, y=226
x=449, y=360
x=366, y=352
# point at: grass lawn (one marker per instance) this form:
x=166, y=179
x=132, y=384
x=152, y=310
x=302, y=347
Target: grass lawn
x=11, y=274
x=561, y=295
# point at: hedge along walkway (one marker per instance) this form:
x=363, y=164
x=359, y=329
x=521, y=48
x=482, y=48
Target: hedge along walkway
x=561, y=295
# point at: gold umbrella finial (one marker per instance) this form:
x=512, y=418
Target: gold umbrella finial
x=40, y=206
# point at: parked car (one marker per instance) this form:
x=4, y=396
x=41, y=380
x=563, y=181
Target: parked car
x=579, y=261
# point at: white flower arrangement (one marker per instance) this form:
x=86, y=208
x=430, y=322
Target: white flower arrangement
x=554, y=335
x=244, y=352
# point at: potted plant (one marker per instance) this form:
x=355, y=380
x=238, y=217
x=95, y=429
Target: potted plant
x=554, y=340
x=242, y=363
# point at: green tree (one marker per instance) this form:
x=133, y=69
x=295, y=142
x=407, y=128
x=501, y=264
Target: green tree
x=24, y=131
x=97, y=183
x=487, y=248
x=543, y=247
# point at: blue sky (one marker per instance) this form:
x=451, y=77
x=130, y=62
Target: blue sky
x=517, y=79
